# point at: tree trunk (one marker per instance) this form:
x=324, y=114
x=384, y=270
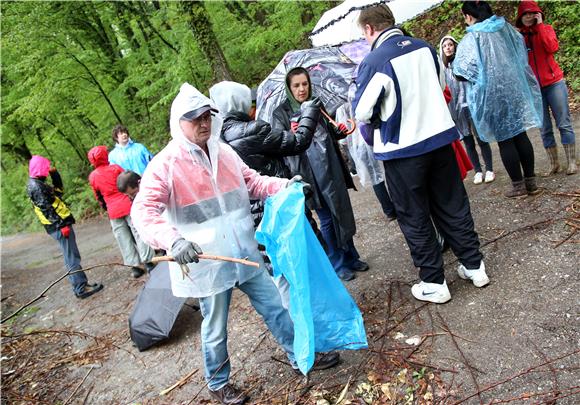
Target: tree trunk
x=203, y=33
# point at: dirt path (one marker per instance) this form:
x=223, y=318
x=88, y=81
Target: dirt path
x=527, y=316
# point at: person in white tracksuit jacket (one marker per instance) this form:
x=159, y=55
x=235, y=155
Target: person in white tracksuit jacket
x=400, y=97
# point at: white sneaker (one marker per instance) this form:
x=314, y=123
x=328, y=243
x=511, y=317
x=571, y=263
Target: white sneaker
x=478, y=276
x=432, y=292
x=489, y=176
x=478, y=178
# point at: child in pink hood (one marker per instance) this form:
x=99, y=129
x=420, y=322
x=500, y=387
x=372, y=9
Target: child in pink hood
x=58, y=221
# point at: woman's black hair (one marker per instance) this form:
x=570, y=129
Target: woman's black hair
x=295, y=72
x=480, y=10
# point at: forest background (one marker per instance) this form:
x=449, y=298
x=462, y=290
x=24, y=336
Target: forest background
x=72, y=70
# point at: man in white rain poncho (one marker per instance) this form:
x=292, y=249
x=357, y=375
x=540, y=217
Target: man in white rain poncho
x=204, y=188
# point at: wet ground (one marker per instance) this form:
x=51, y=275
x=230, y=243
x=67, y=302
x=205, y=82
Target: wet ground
x=492, y=341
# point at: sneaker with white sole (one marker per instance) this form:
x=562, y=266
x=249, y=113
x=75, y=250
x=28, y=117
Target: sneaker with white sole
x=478, y=178
x=489, y=176
x=478, y=276
x=432, y=292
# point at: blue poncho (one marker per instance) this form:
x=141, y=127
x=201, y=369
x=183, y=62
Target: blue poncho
x=503, y=94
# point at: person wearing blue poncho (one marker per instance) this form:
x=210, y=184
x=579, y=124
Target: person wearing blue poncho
x=503, y=95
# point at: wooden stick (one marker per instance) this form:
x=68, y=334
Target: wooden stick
x=179, y=383
x=209, y=257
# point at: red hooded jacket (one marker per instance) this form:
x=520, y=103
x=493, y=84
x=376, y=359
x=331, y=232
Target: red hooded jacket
x=103, y=181
x=542, y=44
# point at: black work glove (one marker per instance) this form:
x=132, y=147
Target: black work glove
x=184, y=251
x=306, y=187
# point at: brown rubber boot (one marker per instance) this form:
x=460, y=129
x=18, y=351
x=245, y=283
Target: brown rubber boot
x=518, y=189
x=554, y=163
x=570, y=151
x=531, y=186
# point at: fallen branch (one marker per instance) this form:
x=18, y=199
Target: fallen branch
x=179, y=383
x=41, y=295
x=514, y=376
x=78, y=386
x=209, y=257
x=566, y=238
x=469, y=367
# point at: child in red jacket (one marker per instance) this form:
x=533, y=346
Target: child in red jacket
x=542, y=44
x=103, y=181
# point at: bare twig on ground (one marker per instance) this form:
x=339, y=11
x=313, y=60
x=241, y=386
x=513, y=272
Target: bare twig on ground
x=566, y=238
x=514, y=376
x=550, y=367
x=469, y=367
x=78, y=386
x=179, y=383
x=41, y=295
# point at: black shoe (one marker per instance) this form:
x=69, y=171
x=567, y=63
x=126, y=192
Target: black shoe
x=89, y=290
x=228, y=395
x=391, y=218
x=137, y=272
x=149, y=267
x=323, y=361
x=359, y=265
x=345, y=274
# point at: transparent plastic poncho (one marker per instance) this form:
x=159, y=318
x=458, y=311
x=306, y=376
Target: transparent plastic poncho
x=204, y=199
x=370, y=171
x=503, y=95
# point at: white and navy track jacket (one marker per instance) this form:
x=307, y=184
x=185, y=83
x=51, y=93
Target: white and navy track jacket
x=400, y=94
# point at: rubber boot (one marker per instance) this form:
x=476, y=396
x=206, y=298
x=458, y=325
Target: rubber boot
x=570, y=151
x=554, y=163
x=531, y=186
x=518, y=189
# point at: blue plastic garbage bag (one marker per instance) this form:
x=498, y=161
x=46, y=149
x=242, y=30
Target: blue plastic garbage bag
x=325, y=317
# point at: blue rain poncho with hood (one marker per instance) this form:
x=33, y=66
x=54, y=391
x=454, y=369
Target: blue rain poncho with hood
x=503, y=94
x=185, y=193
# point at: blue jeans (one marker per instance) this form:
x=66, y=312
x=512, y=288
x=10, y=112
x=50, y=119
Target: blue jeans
x=265, y=298
x=72, y=259
x=555, y=98
x=340, y=257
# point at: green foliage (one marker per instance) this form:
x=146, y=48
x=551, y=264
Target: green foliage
x=72, y=70
x=564, y=16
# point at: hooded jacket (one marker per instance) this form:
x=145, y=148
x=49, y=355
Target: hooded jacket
x=458, y=102
x=260, y=147
x=46, y=200
x=322, y=166
x=103, y=181
x=503, y=95
x=203, y=198
x=133, y=156
x=542, y=44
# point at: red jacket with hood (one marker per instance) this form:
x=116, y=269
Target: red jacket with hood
x=103, y=181
x=542, y=44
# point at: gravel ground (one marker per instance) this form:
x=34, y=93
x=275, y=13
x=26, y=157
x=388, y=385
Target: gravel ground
x=527, y=316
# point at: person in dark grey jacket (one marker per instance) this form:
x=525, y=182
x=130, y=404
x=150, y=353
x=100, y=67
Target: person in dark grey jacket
x=322, y=166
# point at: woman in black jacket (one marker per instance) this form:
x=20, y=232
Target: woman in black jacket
x=323, y=167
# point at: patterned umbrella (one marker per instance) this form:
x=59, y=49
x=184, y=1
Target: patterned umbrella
x=331, y=72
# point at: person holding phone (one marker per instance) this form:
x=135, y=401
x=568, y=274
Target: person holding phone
x=542, y=44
